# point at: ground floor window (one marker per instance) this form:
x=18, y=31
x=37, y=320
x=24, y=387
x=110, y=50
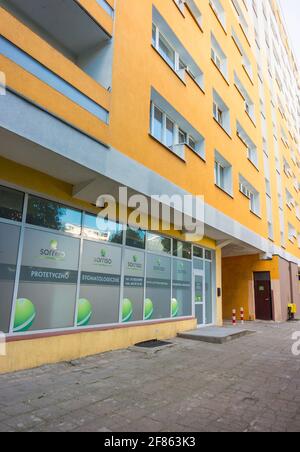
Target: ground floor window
x=61, y=268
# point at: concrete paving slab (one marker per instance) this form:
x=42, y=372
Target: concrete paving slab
x=215, y=335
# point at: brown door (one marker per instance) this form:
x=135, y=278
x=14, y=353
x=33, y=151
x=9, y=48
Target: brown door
x=263, y=296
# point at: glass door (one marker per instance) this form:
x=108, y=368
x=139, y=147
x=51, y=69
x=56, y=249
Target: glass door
x=199, y=298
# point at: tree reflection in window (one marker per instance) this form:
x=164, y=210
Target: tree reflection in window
x=51, y=215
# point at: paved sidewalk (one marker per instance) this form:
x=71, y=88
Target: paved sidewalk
x=252, y=384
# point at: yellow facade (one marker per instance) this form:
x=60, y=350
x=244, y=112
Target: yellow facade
x=137, y=69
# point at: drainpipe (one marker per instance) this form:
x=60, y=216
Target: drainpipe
x=291, y=283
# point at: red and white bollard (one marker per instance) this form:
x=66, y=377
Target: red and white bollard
x=242, y=316
x=234, y=317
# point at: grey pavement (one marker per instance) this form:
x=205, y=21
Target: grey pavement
x=251, y=384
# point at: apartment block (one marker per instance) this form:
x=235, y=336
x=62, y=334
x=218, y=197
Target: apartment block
x=174, y=99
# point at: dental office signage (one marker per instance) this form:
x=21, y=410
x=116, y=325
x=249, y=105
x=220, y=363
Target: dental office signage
x=100, y=284
x=134, y=270
x=158, y=287
x=48, y=278
x=182, y=288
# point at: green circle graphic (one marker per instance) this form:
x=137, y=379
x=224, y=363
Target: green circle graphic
x=85, y=312
x=127, y=310
x=148, y=309
x=175, y=307
x=25, y=314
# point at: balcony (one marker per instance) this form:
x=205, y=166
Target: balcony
x=80, y=30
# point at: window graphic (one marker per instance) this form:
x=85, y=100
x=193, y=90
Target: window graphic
x=48, y=279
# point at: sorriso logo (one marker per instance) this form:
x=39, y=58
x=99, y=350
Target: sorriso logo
x=53, y=252
x=103, y=259
x=158, y=267
x=134, y=264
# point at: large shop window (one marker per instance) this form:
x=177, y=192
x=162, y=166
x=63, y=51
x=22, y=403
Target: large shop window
x=11, y=204
x=182, y=288
x=159, y=244
x=135, y=238
x=158, y=287
x=9, y=243
x=100, y=284
x=134, y=282
x=78, y=270
x=102, y=229
x=182, y=249
x=48, y=280
x=51, y=215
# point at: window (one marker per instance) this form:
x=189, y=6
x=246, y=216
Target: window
x=11, y=204
x=252, y=194
x=249, y=144
x=171, y=49
x=198, y=252
x=218, y=113
x=292, y=233
x=182, y=137
x=182, y=249
x=246, y=63
x=166, y=51
x=136, y=238
x=180, y=4
x=170, y=134
x=51, y=215
x=208, y=255
x=97, y=228
x=219, y=175
x=157, y=124
x=192, y=143
x=218, y=56
x=159, y=244
x=221, y=112
x=219, y=11
x=223, y=173
x=249, y=104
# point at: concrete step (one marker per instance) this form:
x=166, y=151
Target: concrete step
x=215, y=335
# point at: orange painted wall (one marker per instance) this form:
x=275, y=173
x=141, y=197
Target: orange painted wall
x=237, y=279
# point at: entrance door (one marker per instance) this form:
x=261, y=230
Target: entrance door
x=199, y=298
x=263, y=296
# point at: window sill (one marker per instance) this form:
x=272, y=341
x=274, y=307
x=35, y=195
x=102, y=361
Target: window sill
x=221, y=127
x=194, y=18
x=173, y=70
x=197, y=84
x=179, y=9
x=182, y=159
x=248, y=75
x=237, y=46
x=253, y=164
x=257, y=215
x=251, y=119
x=221, y=73
x=224, y=191
x=174, y=153
x=245, y=34
x=217, y=17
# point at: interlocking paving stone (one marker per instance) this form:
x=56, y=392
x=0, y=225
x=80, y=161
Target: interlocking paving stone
x=252, y=384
